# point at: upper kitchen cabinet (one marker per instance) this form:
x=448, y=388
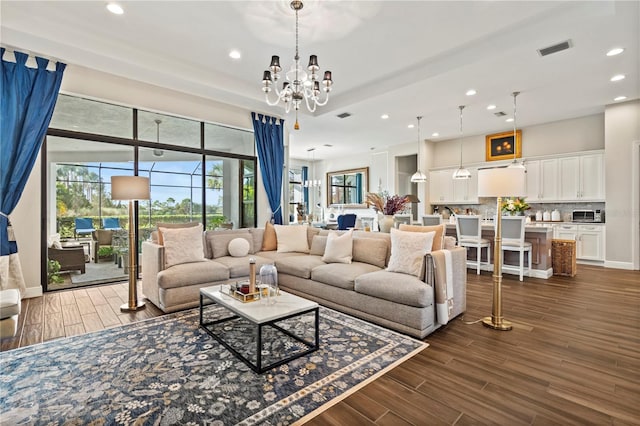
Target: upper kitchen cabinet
x=465, y=190
x=441, y=186
x=542, y=180
x=582, y=177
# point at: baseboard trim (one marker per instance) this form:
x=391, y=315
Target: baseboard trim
x=618, y=265
x=32, y=292
x=544, y=274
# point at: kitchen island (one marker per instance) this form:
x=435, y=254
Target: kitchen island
x=540, y=238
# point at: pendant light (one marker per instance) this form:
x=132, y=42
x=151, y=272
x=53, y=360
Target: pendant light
x=515, y=164
x=158, y=152
x=418, y=176
x=461, y=173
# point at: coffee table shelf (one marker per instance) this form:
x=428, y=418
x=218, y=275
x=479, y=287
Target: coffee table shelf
x=261, y=316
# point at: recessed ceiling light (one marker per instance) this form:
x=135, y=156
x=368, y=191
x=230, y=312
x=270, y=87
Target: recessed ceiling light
x=509, y=120
x=618, y=77
x=235, y=54
x=616, y=51
x=471, y=92
x=435, y=135
x=490, y=107
x=115, y=8
x=384, y=116
x=620, y=98
x=411, y=126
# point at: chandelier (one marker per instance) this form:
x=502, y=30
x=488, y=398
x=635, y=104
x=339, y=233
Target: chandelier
x=299, y=84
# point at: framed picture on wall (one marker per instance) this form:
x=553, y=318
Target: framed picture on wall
x=500, y=146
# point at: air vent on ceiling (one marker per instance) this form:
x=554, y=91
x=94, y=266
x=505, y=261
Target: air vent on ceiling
x=555, y=48
x=500, y=114
x=344, y=115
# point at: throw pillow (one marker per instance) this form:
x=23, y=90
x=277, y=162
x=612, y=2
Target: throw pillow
x=438, y=239
x=291, y=238
x=339, y=248
x=54, y=241
x=218, y=241
x=173, y=226
x=239, y=247
x=449, y=243
x=182, y=245
x=269, y=240
x=370, y=250
x=408, y=250
x=318, y=245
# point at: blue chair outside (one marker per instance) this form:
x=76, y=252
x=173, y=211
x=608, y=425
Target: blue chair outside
x=84, y=225
x=111, y=223
x=346, y=221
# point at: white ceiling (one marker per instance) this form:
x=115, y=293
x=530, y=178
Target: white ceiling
x=402, y=58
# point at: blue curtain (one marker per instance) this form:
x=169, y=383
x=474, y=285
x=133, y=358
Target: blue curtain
x=359, y=188
x=28, y=98
x=269, y=134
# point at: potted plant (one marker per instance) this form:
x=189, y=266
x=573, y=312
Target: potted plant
x=514, y=206
x=386, y=206
x=53, y=272
x=105, y=252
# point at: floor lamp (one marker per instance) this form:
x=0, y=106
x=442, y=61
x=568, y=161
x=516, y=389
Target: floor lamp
x=131, y=188
x=499, y=182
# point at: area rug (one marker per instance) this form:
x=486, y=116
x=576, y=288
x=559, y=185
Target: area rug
x=167, y=371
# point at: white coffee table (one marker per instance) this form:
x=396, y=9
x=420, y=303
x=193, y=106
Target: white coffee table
x=261, y=315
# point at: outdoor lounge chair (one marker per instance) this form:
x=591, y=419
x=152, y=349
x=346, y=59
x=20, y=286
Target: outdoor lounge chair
x=111, y=224
x=70, y=258
x=84, y=225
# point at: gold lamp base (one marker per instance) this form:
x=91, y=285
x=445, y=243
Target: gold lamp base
x=127, y=308
x=502, y=325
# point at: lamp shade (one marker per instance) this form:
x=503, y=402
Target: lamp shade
x=501, y=182
x=130, y=188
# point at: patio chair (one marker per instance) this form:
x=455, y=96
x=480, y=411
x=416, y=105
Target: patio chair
x=70, y=259
x=101, y=238
x=111, y=224
x=346, y=221
x=84, y=225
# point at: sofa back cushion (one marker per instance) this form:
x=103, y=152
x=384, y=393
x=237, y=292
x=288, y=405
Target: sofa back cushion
x=438, y=239
x=373, y=251
x=318, y=245
x=371, y=236
x=218, y=240
x=258, y=235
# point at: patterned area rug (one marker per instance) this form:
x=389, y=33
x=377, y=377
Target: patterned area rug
x=167, y=371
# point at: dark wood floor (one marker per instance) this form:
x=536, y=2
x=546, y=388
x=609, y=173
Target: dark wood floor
x=573, y=356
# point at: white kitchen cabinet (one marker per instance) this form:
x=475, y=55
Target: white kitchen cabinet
x=542, y=180
x=465, y=190
x=582, y=178
x=441, y=187
x=589, y=239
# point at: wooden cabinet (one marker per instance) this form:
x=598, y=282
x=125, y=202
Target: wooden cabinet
x=542, y=180
x=589, y=239
x=582, y=177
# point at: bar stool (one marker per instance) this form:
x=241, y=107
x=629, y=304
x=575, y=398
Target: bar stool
x=469, y=231
x=513, y=240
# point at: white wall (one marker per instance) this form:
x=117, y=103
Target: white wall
x=622, y=129
x=559, y=137
x=101, y=86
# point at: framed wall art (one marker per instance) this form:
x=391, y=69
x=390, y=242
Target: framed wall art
x=500, y=146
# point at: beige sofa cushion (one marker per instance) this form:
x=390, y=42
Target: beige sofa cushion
x=318, y=245
x=239, y=266
x=377, y=236
x=182, y=245
x=258, y=235
x=395, y=287
x=192, y=274
x=274, y=255
x=172, y=226
x=339, y=248
x=370, y=250
x=408, y=250
x=299, y=266
x=341, y=275
x=292, y=238
x=218, y=240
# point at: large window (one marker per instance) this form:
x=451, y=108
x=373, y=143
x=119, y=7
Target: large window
x=198, y=172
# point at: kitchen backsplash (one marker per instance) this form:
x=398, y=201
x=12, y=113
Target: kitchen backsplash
x=487, y=208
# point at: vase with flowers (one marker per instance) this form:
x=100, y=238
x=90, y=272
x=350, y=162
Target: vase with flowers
x=386, y=206
x=514, y=206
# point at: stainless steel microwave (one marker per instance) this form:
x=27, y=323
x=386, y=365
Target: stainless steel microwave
x=587, y=216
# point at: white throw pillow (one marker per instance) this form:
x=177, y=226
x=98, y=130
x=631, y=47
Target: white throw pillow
x=408, y=250
x=339, y=248
x=54, y=241
x=292, y=238
x=239, y=247
x=182, y=245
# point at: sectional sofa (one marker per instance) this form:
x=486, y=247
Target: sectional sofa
x=414, y=303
